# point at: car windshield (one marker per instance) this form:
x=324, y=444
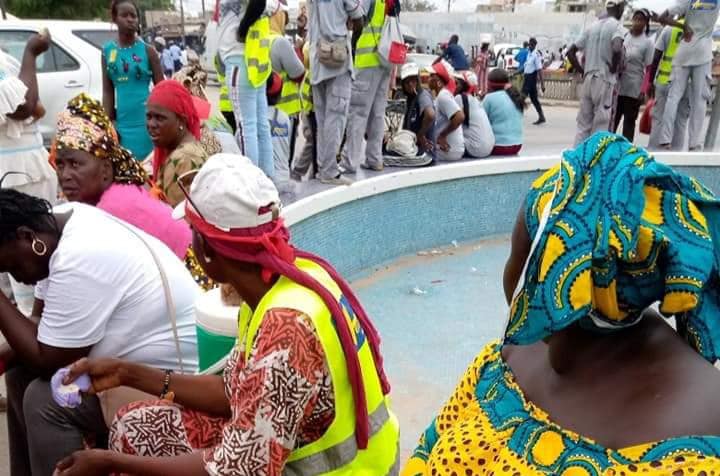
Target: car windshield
x=97, y=38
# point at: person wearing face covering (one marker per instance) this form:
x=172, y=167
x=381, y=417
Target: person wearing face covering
x=587, y=378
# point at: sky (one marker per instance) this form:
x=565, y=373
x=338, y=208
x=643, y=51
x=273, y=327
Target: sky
x=458, y=5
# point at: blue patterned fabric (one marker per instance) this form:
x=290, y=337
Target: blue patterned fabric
x=623, y=232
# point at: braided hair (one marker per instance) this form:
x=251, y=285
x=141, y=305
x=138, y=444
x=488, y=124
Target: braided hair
x=19, y=209
x=116, y=3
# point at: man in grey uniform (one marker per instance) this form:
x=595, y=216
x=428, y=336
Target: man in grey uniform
x=331, y=83
x=691, y=67
x=368, y=100
x=602, y=45
x=662, y=61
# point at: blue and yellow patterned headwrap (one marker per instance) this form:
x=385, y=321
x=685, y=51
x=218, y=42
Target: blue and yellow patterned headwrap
x=623, y=232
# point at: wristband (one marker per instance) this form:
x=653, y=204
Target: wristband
x=166, y=385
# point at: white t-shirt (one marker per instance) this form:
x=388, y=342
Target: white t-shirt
x=478, y=134
x=446, y=108
x=104, y=290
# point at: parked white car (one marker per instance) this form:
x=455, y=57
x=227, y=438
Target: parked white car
x=505, y=55
x=72, y=64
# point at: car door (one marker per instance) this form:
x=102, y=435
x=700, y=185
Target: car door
x=61, y=75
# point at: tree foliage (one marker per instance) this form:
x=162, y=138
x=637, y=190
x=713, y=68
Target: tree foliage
x=417, y=6
x=75, y=9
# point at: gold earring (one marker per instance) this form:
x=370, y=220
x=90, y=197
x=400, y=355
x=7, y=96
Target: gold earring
x=39, y=247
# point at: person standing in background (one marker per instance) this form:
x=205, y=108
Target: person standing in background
x=225, y=105
x=128, y=66
x=23, y=161
x=481, y=68
x=532, y=74
x=286, y=103
x=665, y=48
x=332, y=74
x=691, y=67
x=455, y=54
x=176, y=54
x=521, y=56
x=368, y=98
x=602, y=45
x=244, y=48
x=638, y=55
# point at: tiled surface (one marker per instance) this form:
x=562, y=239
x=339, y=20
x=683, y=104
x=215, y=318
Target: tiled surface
x=429, y=339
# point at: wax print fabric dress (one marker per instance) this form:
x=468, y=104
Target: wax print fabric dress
x=129, y=70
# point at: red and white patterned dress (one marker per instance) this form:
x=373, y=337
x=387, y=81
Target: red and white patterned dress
x=281, y=399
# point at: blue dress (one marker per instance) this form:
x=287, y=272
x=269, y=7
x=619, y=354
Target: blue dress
x=129, y=70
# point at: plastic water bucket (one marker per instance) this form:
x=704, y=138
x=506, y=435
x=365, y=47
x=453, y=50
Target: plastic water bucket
x=216, y=326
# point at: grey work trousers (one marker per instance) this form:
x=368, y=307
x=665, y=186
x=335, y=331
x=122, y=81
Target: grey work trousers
x=366, y=117
x=307, y=159
x=694, y=80
x=596, y=103
x=681, y=119
x=41, y=432
x=331, y=100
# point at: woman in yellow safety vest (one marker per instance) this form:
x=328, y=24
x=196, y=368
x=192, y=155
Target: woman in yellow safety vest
x=304, y=391
x=244, y=48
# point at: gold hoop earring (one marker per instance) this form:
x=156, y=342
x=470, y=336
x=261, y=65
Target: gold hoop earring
x=39, y=247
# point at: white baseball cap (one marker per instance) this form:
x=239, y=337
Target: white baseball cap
x=230, y=192
x=409, y=69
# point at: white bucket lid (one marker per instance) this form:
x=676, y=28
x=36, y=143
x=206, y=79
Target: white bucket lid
x=214, y=316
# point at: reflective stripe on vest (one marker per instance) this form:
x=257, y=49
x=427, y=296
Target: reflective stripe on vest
x=257, y=52
x=665, y=67
x=336, y=452
x=225, y=103
x=366, y=55
x=289, y=101
x=306, y=94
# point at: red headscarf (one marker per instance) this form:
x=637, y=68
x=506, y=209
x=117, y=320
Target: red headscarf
x=440, y=69
x=269, y=246
x=173, y=96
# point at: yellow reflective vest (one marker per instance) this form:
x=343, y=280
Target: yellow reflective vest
x=257, y=52
x=336, y=452
x=306, y=93
x=366, y=55
x=289, y=101
x=225, y=104
x=665, y=67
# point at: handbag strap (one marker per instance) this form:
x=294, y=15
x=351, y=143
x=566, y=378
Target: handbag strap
x=169, y=302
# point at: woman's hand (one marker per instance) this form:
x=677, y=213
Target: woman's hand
x=38, y=44
x=443, y=143
x=105, y=373
x=85, y=463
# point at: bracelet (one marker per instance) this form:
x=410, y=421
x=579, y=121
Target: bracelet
x=166, y=384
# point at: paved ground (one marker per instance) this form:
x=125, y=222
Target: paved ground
x=550, y=138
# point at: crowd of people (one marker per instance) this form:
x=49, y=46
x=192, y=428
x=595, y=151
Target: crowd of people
x=621, y=69
x=146, y=199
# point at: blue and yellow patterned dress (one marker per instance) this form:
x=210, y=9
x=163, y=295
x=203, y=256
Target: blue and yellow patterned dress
x=614, y=231
x=130, y=72
x=489, y=428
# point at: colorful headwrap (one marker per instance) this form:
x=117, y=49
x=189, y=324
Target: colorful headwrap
x=173, y=96
x=85, y=126
x=622, y=232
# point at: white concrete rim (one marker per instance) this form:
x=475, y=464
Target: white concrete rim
x=319, y=202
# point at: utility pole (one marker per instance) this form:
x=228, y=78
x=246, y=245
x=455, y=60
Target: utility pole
x=182, y=22
x=449, y=1
x=203, y=9
x=2, y=9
